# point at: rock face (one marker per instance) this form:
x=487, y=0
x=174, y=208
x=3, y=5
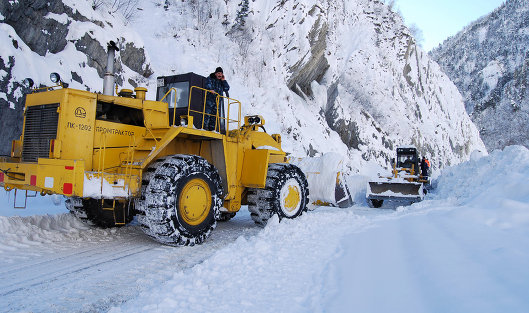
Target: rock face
x=29, y=20
x=50, y=28
x=358, y=68
x=314, y=65
x=488, y=61
x=10, y=114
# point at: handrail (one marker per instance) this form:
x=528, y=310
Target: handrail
x=175, y=93
x=152, y=134
x=128, y=167
x=103, y=141
x=48, y=88
x=218, y=118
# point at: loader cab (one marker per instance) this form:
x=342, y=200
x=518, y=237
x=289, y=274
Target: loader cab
x=181, y=98
x=407, y=157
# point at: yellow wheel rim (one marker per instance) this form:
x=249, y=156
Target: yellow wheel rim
x=195, y=201
x=291, y=197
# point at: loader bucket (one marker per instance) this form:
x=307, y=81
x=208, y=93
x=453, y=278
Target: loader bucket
x=327, y=185
x=395, y=191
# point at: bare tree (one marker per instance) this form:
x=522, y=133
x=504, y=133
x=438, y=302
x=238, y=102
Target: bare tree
x=96, y=4
x=126, y=7
x=390, y=3
x=417, y=34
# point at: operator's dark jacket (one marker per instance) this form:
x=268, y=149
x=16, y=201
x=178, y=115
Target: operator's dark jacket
x=219, y=86
x=424, y=168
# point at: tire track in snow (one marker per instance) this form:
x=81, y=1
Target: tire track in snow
x=51, y=259
x=95, y=273
x=63, y=272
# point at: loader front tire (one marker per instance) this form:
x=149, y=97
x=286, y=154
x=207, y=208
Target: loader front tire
x=181, y=200
x=286, y=194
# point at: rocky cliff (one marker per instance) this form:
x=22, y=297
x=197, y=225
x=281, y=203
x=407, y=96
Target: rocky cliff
x=341, y=76
x=39, y=37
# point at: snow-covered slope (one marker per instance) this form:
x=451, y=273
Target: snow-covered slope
x=330, y=76
x=488, y=63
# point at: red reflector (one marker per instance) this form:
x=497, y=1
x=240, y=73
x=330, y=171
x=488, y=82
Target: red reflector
x=1, y=177
x=52, y=145
x=67, y=188
x=33, y=180
x=69, y=167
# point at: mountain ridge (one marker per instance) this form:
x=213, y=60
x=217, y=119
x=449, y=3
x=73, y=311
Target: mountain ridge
x=488, y=63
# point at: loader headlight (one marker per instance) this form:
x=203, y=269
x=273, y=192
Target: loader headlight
x=28, y=83
x=254, y=120
x=183, y=122
x=55, y=78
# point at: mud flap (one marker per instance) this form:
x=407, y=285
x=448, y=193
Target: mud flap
x=342, y=193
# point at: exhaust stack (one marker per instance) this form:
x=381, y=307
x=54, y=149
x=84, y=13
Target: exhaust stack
x=108, y=80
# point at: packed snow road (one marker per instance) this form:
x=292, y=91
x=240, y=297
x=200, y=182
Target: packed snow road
x=463, y=249
x=58, y=264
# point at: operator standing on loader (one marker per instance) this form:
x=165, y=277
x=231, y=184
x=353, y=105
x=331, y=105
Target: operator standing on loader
x=217, y=84
x=425, y=165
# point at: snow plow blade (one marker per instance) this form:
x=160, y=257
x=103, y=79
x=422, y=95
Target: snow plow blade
x=327, y=185
x=395, y=191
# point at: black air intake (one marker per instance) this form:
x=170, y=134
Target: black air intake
x=40, y=128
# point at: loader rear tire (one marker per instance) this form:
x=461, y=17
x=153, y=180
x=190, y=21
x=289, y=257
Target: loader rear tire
x=181, y=200
x=286, y=194
x=92, y=213
x=375, y=203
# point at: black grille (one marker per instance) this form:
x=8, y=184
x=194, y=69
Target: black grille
x=40, y=128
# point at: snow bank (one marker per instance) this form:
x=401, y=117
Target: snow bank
x=467, y=254
x=37, y=230
x=45, y=225
x=493, y=187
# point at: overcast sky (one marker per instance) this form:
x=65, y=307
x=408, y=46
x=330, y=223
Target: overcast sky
x=439, y=19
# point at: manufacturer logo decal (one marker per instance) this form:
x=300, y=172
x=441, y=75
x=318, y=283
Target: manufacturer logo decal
x=80, y=112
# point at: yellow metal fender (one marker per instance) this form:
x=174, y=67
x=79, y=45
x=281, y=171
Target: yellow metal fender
x=255, y=168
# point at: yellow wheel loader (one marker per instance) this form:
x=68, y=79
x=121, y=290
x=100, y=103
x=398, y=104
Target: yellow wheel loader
x=119, y=156
x=406, y=184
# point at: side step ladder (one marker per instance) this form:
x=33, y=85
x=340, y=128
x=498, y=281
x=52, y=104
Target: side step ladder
x=107, y=206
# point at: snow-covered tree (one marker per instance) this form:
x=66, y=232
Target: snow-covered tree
x=242, y=13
